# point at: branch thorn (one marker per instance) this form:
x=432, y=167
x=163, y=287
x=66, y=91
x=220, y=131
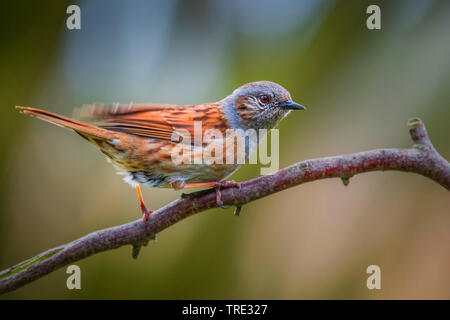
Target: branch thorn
x=137, y=246
x=237, y=211
x=345, y=180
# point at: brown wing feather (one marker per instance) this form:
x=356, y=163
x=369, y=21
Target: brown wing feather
x=155, y=121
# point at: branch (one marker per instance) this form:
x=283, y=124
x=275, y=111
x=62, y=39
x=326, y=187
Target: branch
x=422, y=159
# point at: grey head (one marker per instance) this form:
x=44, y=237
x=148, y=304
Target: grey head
x=258, y=105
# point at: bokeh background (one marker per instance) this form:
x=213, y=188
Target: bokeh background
x=312, y=241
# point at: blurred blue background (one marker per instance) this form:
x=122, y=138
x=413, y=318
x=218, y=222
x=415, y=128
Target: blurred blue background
x=312, y=241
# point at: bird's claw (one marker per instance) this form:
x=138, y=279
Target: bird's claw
x=146, y=214
x=221, y=185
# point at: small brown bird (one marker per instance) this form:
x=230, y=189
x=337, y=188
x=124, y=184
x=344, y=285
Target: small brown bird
x=138, y=138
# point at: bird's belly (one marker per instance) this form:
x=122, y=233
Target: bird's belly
x=163, y=176
x=153, y=166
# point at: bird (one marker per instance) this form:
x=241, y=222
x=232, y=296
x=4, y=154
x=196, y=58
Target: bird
x=138, y=139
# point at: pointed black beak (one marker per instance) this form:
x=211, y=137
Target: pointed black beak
x=290, y=105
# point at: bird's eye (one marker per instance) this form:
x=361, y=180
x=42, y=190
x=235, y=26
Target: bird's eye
x=264, y=99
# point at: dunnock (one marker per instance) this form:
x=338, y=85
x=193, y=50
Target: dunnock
x=138, y=138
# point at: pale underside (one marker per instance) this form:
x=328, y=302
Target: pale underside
x=152, y=164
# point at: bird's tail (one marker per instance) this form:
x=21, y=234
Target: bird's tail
x=84, y=129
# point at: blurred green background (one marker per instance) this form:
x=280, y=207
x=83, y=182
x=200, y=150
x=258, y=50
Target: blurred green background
x=312, y=241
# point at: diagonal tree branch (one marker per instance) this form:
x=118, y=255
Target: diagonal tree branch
x=422, y=159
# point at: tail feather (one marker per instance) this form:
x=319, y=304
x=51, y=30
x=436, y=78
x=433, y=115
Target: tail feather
x=84, y=129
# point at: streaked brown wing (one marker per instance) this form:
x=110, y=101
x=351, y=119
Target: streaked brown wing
x=154, y=121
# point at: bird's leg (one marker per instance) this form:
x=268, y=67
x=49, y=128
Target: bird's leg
x=217, y=185
x=145, y=212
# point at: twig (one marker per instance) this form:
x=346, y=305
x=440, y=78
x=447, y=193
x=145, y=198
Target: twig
x=422, y=159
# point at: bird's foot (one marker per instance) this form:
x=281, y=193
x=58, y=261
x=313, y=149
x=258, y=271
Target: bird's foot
x=218, y=185
x=146, y=214
x=222, y=185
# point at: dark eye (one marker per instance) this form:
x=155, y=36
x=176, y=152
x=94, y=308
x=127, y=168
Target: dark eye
x=264, y=99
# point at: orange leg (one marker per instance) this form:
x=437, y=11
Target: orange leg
x=145, y=211
x=217, y=185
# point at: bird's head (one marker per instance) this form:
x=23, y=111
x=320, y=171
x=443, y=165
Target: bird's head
x=260, y=105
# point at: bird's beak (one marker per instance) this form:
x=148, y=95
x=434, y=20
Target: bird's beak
x=290, y=105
